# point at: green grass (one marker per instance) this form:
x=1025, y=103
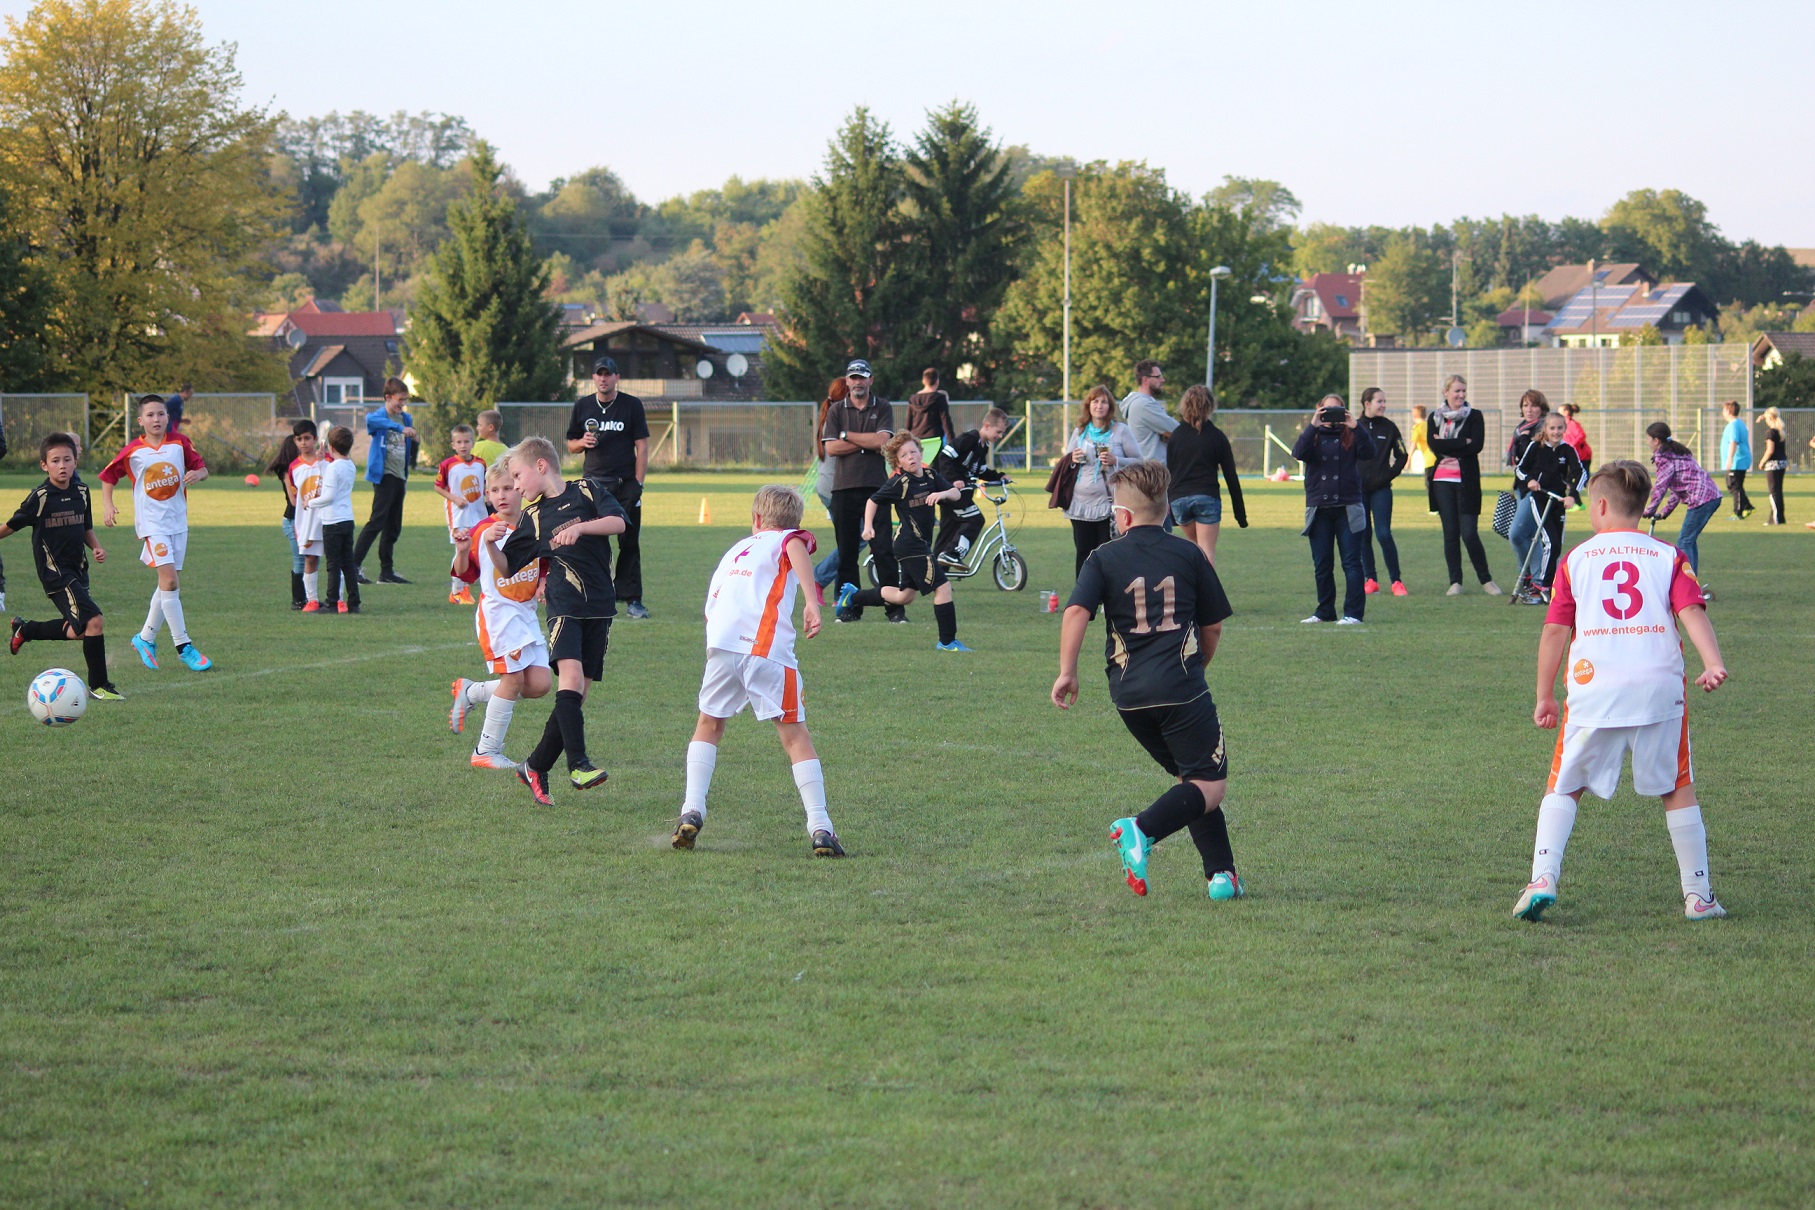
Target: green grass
x=265, y=939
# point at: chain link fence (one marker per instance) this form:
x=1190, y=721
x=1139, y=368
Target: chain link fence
x=29, y=418
x=233, y=432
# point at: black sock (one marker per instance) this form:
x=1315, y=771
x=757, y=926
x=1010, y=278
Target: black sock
x=94, y=650
x=572, y=721
x=1210, y=832
x=548, y=750
x=1171, y=811
x=298, y=595
x=44, y=632
x=868, y=596
x=947, y=617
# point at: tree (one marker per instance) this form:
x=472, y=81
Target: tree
x=843, y=296
x=1272, y=204
x=691, y=284
x=143, y=185
x=963, y=228
x=1753, y=274
x=26, y=303
x=483, y=330
x=1407, y=288
x=1667, y=232
x=1790, y=384
x=590, y=217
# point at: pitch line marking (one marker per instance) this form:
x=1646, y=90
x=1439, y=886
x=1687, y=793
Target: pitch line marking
x=218, y=678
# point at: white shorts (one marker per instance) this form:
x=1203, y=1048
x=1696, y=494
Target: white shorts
x=735, y=680
x=308, y=547
x=156, y=550
x=1589, y=758
x=533, y=656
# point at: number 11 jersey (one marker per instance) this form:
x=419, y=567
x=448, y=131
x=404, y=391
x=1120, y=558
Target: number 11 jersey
x=1155, y=590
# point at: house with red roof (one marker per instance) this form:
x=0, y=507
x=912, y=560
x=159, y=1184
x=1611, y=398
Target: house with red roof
x=336, y=357
x=1331, y=302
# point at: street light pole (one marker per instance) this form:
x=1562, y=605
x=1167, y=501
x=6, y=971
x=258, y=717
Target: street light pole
x=1067, y=337
x=1221, y=271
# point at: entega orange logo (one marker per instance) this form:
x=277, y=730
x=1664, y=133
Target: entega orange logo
x=161, y=480
x=1582, y=673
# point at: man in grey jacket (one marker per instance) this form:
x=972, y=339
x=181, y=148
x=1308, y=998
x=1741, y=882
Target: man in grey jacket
x=1147, y=418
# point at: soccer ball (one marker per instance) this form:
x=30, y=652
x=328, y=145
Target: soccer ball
x=57, y=697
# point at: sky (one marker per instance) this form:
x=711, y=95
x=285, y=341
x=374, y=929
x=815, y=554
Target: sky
x=1388, y=112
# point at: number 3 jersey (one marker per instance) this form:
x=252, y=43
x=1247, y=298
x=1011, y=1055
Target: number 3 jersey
x=160, y=504
x=1155, y=590
x=1620, y=592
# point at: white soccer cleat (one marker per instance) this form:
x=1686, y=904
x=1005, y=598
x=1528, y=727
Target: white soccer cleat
x=456, y=718
x=1697, y=908
x=492, y=760
x=1537, y=895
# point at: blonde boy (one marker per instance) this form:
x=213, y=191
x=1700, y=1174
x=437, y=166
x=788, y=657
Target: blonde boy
x=750, y=660
x=460, y=482
x=1615, y=611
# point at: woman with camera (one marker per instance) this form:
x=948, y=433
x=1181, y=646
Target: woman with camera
x=1332, y=449
x=1099, y=445
x=1456, y=434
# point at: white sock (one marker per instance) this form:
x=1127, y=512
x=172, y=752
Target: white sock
x=311, y=582
x=173, y=616
x=154, y=618
x=1556, y=819
x=497, y=723
x=1689, y=838
x=455, y=584
x=480, y=691
x=702, y=758
x=811, y=780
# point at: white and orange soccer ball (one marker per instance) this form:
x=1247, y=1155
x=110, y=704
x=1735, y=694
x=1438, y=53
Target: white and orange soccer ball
x=57, y=697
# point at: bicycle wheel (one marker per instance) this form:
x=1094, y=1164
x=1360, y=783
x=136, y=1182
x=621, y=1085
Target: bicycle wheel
x=1010, y=570
x=869, y=569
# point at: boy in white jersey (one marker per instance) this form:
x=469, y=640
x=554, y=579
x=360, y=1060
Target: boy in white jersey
x=305, y=485
x=510, y=637
x=750, y=660
x=461, y=483
x=1615, y=610
x=161, y=465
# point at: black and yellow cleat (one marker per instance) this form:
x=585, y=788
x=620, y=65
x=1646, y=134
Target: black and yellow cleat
x=825, y=844
x=585, y=777
x=688, y=830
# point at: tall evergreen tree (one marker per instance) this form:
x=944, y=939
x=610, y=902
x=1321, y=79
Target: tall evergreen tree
x=482, y=329
x=26, y=302
x=964, y=228
x=844, y=296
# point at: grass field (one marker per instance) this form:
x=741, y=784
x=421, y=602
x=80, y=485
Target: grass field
x=265, y=939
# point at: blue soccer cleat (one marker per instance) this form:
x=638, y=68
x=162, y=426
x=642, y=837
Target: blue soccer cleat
x=192, y=659
x=954, y=645
x=1226, y=885
x=147, y=649
x=845, y=593
x=1537, y=895
x=1131, y=843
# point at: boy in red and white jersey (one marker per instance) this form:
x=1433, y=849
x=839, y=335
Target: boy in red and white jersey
x=461, y=484
x=161, y=465
x=305, y=485
x=1614, y=612
x=750, y=660
x=510, y=637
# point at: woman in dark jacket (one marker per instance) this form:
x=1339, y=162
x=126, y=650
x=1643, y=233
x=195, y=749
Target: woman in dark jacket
x=1377, y=475
x=1197, y=450
x=1332, y=449
x=1456, y=433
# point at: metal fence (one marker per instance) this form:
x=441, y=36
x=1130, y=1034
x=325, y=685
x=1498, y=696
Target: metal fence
x=232, y=431
x=29, y=418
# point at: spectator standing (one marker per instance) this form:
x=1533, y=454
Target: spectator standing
x=1332, y=448
x=1577, y=436
x=1197, y=451
x=1146, y=416
x=1377, y=475
x=1551, y=473
x=287, y=453
x=930, y=410
x=1681, y=480
x=855, y=430
x=1533, y=409
x=1736, y=458
x=827, y=568
x=1422, y=458
x=611, y=429
x=1456, y=434
x=1773, y=460
x=1099, y=445
x=175, y=402
x=388, y=462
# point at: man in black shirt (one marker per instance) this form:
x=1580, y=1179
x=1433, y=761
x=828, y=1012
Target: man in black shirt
x=966, y=463
x=930, y=409
x=856, y=429
x=570, y=525
x=1164, y=611
x=61, y=518
x=611, y=429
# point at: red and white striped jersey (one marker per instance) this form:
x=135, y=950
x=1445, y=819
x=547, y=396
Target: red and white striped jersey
x=750, y=604
x=160, y=503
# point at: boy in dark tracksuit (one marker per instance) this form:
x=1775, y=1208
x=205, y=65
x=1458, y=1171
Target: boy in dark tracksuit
x=966, y=462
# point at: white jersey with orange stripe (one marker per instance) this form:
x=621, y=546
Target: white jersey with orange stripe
x=160, y=502
x=464, y=478
x=505, y=618
x=750, y=603
x=305, y=481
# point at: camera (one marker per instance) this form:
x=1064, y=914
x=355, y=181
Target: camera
x=1332, y=417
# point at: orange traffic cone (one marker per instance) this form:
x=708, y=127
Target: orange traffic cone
x=705, y=512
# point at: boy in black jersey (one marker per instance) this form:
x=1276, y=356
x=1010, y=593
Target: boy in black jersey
x=570, y=525
x=912, y=490
x=1164, y=611
x=966, y=463
x=61, y=518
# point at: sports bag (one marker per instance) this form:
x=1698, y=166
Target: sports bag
x=1505, y=506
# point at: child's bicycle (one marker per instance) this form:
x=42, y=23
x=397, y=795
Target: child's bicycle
x=994, y=548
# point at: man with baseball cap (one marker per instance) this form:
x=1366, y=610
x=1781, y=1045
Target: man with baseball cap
x=609, y=427
x=856, y=429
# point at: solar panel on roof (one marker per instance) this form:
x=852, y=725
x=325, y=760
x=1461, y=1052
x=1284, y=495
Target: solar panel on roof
x=734, y=342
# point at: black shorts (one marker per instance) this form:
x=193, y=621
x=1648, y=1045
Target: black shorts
x=75, y=605
x=1187, y=740
x=583, y=639
x=919, y=572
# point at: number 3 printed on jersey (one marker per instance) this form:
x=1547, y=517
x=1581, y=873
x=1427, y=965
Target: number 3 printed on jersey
x=1625, y=580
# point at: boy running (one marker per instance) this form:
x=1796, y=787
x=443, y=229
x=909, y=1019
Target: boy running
x=570, y=525
x=1615, y=612
x=750, y=660
x=966, y=463
x=912, y=490
x=161, y=465
x=1164, y=608
x=304, y=482
x=460, y=482
x=510, y=638
x=61, y=518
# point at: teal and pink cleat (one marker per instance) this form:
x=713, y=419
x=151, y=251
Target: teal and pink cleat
x=1133, y=847
x=1538, y=895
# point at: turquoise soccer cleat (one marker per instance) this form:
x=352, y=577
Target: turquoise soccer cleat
x=1226, y=885
x=1537, y=895
x=954, y=645
x=845, y=593
x=192, y=659
x=1132, y=845
x=147, y=649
